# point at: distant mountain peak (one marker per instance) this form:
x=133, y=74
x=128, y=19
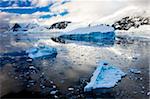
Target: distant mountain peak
x=131, y=21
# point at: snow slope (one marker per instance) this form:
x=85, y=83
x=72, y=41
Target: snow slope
x=127, y=11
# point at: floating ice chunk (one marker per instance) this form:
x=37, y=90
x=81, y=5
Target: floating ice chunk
x=42, y=51
x=105, y=76
x=136, y=71
x=53, y=92
x=32, y=67
x=148, y=93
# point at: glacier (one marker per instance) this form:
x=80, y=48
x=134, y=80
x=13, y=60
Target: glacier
x=104, y=77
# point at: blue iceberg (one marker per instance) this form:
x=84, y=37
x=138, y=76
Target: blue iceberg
x=97, y=35
x=104, y=77
x=42, y=52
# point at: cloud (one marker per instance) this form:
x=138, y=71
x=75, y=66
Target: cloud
x=40, y=3
x=28, y=6
x=85, y=10
x=79, y=11
x=4, y=20
x=33, y=16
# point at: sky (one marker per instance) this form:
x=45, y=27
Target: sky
x=80, y=11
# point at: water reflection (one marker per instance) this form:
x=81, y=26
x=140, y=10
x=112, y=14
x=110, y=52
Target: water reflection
x=77, y=61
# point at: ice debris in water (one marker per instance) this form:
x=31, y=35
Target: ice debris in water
x=135, y=71
x=53, y=92
x=42, y=52
x=148, y=93
x=105, y=76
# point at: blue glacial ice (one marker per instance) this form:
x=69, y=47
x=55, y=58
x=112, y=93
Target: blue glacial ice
x=105, y=76
x=42, y=52
x=98, y=35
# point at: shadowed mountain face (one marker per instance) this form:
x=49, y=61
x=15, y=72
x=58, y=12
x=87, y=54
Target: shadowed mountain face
x=16, y=27
x=60, y=25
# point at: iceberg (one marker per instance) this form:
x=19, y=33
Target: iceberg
x=98, y=35
x=104, y=77
x=42, y=52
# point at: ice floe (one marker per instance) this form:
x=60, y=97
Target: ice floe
x=105, y=76
x=42, y=51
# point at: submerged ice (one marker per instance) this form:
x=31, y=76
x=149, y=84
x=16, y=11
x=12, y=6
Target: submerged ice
x=42, y=52
x=105, y=76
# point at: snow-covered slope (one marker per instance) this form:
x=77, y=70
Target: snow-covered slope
x=128, y=22
x=127, y=11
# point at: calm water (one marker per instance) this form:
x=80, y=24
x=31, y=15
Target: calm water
x=77, y=61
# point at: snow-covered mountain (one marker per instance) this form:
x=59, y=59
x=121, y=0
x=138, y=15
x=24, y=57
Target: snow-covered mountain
x=127, y=17
x=60, y=25
x=30, y=27
x=127, y=22
x=124, y=24
x=23, y=26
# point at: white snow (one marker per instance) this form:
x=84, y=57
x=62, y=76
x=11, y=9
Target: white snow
x=118, y=15
x=86, y=30
x=26, y=27
x=141, y=32
x=105, y=76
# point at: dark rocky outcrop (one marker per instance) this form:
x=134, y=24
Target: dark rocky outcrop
x=58, y=39
x=127, y=22
x=16, y=27
x=60, y=25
